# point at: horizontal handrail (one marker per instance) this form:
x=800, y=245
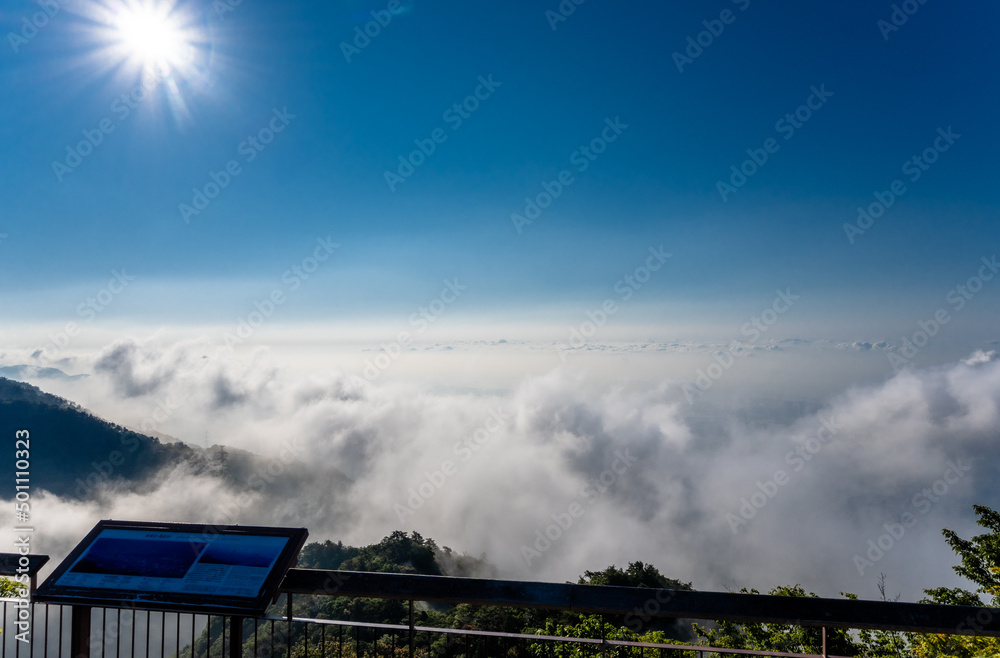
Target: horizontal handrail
x=552, y=638
x=644, y=602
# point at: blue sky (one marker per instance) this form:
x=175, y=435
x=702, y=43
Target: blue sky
x=324, y=174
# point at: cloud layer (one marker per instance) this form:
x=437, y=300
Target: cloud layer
x=560, y=473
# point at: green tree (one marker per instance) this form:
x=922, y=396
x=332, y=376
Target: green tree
x=882, y=644
x=397, y=553
x=594, y=627
x=980, y=556
x=777, y=637
x=9, y=588
x=326, y=555
x=980, y=563
x=637, y=574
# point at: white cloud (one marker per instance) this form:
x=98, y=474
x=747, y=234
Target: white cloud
x=561, y=432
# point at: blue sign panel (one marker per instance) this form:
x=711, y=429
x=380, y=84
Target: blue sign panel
x=175, y=566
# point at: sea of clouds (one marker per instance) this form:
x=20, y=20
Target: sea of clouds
x=566, y=469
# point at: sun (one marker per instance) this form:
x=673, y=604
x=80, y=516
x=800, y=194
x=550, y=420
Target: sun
x=149, y=35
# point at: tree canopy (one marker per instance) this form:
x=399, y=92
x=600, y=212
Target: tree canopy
x=399, y=552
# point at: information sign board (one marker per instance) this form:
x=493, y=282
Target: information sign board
x=175, y=567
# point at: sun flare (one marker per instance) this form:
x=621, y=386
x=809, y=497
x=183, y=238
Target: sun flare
x=148, y=35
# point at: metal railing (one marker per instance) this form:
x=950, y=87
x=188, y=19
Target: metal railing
x=125, y=633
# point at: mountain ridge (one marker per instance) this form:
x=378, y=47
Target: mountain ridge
x=76, y=454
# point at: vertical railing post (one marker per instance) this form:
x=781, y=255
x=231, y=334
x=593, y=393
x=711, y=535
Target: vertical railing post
x=79, y=634
x=289, y=595
x=236, y=637
x=413, y=632
x=824, y=643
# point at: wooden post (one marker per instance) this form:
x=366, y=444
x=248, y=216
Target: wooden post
x=79, y=636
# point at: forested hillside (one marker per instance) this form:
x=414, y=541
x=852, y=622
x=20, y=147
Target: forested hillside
x=73, y=452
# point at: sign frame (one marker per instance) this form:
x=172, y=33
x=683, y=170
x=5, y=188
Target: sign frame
x=51, y=591
x=10, y=563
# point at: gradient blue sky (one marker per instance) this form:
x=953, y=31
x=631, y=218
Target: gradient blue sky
x=323, y=176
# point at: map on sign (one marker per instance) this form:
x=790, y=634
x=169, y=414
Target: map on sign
x=176, y=566
x=236, y=565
